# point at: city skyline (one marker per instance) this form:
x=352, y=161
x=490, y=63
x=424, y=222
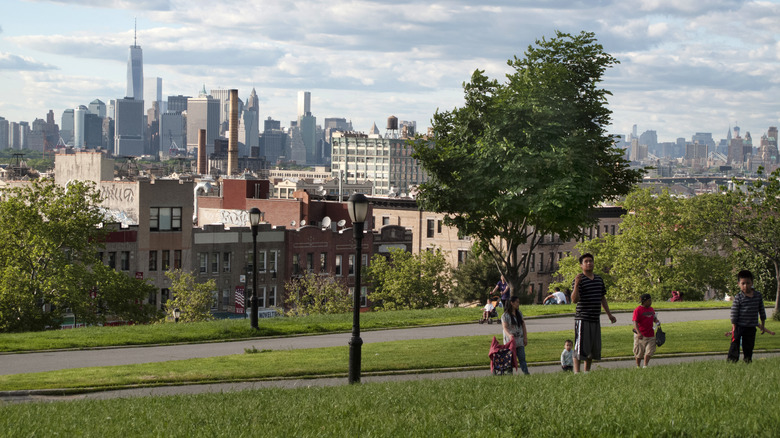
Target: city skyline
x=684, y=68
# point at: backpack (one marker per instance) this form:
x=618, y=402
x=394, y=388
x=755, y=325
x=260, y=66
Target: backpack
x=660, y=337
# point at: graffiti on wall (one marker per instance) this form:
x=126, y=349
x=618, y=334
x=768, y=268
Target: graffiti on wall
x=229, y=218
x=121, y=199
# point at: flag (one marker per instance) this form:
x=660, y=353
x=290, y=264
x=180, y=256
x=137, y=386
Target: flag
x=239, y=299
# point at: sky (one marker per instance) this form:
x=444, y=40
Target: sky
x=685, y=66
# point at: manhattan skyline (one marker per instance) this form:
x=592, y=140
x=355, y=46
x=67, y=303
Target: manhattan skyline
x=684, y=68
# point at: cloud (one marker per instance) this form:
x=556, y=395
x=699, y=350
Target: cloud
x=9, y=61
x=140, y=5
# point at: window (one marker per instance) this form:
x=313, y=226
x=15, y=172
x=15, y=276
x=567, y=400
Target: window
x=225, y=298
x=165, y=295
x=612, y=229
x=215, y=299
x=261, y=261
x=363, y=296
x=532, y=265
x=337, y=267
x=430, y=227
x=165, y=219
x=296, y=264
x=272, y=257
x=385, y=220
x=310, y=262
x=112, y=260
x=125, y=260
x=215, y=262
x=552, y=261
x=365, y=259
x=541, y=262
x=152, y=298
x=152, y=260
x=260, y=296
x=271, y=301
x=351, y=268
x=462, y=256
x=226, y=262
x=204, y=262
x=166, y=260
x=438, y=226
x=323, y=262
x=532, y=288
x=177, y=259
x=606, y=229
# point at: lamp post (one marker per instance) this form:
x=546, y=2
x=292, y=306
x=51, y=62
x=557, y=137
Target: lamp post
x=254, y=219
x=358, y=209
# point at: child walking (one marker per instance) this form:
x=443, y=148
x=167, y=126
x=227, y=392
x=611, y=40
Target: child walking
x=746, y=309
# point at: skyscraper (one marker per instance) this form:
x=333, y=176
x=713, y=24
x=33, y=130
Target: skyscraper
x=153, y=93
x=129, y=127
x=135, y=72
x=307, y=127
x=202, y=113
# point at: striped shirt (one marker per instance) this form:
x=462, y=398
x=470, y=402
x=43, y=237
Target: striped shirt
x=745, y=310
x=589, y=305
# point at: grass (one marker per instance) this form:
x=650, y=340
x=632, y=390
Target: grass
x=425, y=354
x=221, y=330
x=719, y=399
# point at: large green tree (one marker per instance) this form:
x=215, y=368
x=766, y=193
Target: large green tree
x=475, y=277
x=409, y=281
x=194, y=300
x=529, y=157
x=316, y=294
x=49, y=240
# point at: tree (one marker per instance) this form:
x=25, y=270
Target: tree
x=529, y=157
x=316, y=294
x=49, y=240
x=751, y=218
x=193, y=299
x=409, y=281
x=475, y=278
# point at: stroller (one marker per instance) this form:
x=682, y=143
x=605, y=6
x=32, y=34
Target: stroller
x=502, y=357
x=490, y=311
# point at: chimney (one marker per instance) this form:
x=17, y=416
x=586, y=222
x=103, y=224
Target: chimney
x=233, y=135
x=202, y=151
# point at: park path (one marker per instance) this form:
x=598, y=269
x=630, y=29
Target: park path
x=57, y=360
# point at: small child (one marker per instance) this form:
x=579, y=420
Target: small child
x=567, y=362
x=487, y=310
x=746, y=309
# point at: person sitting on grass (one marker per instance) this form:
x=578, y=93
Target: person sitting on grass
x=746, y=309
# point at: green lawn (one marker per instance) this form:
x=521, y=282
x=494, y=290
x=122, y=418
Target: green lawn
x=221, y=330
x=700, y=399
x=426, y=354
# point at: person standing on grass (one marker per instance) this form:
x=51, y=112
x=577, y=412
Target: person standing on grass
x=590, y=294
x=644, y=336
x=514, y=328
x=746, y=309
x=502, y=287
x=567, y=363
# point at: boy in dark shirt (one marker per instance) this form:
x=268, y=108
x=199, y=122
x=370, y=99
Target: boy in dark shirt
x=746, y=309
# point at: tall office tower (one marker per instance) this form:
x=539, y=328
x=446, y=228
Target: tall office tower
x=307, y=128
x=177, y=104
x=93, y=131
x=111, y=108
x=152, y=137
x=650, y=139
x=408, y=128
x=37, y=136
x=3, y=133
x=52, y=131
x=331, y=125
x=129, y=128
x=223, y=96
x=14, y=142
x=202, y=113
x=98, y=108
x=66, y=126
x=272, y=141
x=253, y=103
x=78, y=126
x=747, y=147
x=633, y=133
x=704, y=138
x=771, y=149
x=135, y=72
x=172, y=135
x=153, y=93
x=383, y=161
x=24, y=135
x=736, y=153
x=232, y=163
x=108, y=134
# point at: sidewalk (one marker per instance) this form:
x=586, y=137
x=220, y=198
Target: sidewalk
x=546, y=368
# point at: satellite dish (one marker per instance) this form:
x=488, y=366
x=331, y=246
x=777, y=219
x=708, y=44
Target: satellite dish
x=326, y=222
x=341, y=223
x=292, y=224
x=303, y=222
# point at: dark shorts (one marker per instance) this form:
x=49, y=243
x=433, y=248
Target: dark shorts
x=587, y=340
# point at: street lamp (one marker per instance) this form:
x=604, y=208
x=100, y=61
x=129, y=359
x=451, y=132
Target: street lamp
x=176, y=314
x=254, y=219
x=358, y=209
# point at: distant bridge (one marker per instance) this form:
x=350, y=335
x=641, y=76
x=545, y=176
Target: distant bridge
x=693, y=179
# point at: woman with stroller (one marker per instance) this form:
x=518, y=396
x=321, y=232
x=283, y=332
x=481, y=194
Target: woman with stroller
x=514, y=328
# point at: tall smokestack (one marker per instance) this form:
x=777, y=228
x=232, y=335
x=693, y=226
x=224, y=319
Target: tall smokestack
x=233, y=136
x=202, y=151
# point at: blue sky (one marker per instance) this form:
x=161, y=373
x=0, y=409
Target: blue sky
x=685, y=67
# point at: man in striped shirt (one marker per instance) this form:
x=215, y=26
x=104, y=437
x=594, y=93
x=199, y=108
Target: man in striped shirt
x=746, y=309
x=589, y=293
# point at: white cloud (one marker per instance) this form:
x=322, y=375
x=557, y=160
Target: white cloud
x=9, y=61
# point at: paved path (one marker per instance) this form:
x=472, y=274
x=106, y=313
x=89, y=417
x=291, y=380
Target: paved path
x=55, y=360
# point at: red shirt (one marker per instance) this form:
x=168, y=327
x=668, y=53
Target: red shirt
x=644, y=317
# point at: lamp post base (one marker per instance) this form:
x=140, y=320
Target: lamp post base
x=355, y=347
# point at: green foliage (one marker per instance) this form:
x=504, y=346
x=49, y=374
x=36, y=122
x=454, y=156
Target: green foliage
x=529, y=157
x=409, y=281
x=193, y=299
x=49, y=238
x=475, y=278
x=316, y=294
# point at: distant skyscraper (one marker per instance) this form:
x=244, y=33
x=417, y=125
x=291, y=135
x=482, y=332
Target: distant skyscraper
x=66, y=126
x=98, y=108
x=223, y=96
x=153, y=93
x=307, y=128
x=135, y=72
x=273, y=142
x=129, y=128
x=3, y=133
x=177, y=104
x=78, y=126
x=304, y=103
x=202, y=113
x=253, y=103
